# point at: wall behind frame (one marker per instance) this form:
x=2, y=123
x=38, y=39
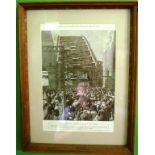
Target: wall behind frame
x=18, y=112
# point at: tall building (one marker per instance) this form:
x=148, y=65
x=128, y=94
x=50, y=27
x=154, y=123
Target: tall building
x=109, y=65
x=49, y=63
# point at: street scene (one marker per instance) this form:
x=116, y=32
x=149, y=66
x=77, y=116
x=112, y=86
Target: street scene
x=78, y=75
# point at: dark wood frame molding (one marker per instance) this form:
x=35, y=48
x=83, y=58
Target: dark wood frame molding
x=65, y=148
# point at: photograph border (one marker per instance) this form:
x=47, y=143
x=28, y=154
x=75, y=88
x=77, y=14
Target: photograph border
x=76, y=86
x=24, y=90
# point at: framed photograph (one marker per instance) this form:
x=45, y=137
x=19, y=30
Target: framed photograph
x=78, y=67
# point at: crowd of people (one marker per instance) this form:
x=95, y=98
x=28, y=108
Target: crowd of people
x=82, y=103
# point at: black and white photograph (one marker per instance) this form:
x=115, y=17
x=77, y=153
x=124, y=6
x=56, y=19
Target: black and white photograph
x=78, y=74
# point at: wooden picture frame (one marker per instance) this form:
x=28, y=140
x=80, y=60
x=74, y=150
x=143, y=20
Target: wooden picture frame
x=76, y=148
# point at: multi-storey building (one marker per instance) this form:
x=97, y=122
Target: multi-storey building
x=109, y=65
x=49, y=63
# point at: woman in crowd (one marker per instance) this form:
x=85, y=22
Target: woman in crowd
x=88, y=104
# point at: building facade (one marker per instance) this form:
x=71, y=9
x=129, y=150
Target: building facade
x=49, y=63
